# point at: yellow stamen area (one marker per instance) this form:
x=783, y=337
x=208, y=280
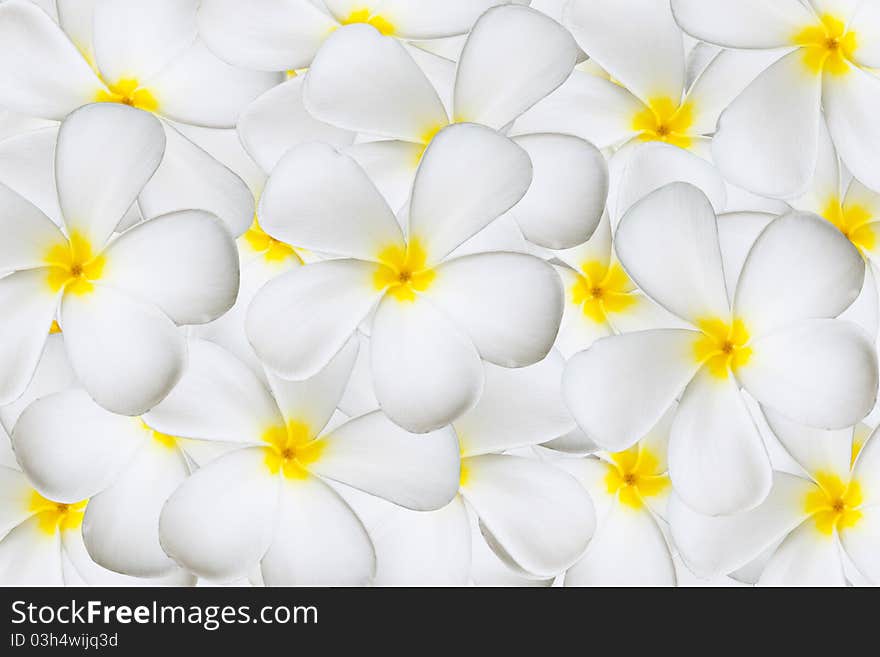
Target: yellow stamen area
x=73, y=265
x=382, y=24
x=834, y=504
x=666, y=120
x=273, y=250
x=852, y=220
x=291, y=449
x=827, y=46
x=55, y=327
x=128, y=92
x=722, y=347
x=403, y=271
x=291, y=73
x=465, y=474
x=164, y=439
x=634, y=475
x=425, y=141
x=55, y=516
x=860, y=437
x=601, y=289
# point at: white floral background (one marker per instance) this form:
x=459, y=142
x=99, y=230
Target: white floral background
x=439, y=292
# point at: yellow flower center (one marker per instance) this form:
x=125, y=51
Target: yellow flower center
x=827, y=46
x=634, y=475
x=834, y=504
x=382, y=24
x=273, y=250
x=403, y=271
x=291, y=449
x=164, y=439
x=73, y=265
x=853, y=221
x=128, y=92
x=601, y=289
x=722, y=347
x=666, y=120
x=54, y=516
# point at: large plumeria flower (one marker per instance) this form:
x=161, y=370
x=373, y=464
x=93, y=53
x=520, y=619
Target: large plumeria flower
x=812, y=525
x=772, y=336
x=118, y=300
x=267, y=501
x=282, y=35
x=142, y=53
x=367, y=83
x=535, y=519
x=824, y=52
x=630, y=490
x=435, y=317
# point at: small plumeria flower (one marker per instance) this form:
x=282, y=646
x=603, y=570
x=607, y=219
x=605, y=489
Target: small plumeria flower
x=773, y=337
x=536, y=519
x=285, y=35
x=824, y=51
x=432, y=318
x=812, y=525
x=118, y=300
x=367, y=83
x=267, y=502
x=141, y=53
x=630, y=490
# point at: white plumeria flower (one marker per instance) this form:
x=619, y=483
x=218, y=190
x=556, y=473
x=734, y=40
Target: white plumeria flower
x=143, y=53
x=812, y=525
x=823, y=51
x=772, y=336
x=282, y=35
x=630, y=490
x=267, y=502
x=367, y=83
x=119, y=301
x=435, y=317
x=536, y=519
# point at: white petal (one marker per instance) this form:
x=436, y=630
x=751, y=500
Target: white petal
x=815, y=450
x=323, y=200
x=219, y=522
x=71, y=448
x=805, y=558
x=268, y=35
x=737, y=233
x=298, y=321
x=425, y=19
x=28, y=308
x=717, y=545
x=629, y=549
x=426, y=371
x=619, y=388
x=197, y=87
x=847, y=100
x=636, y=41
x=105, y=155
x=865, y=470
x=30, y=557
x=391, y=164
x=821, y=372
x=363, y=81
x=533, y=515
x=319, y=541
x=866, y=23
x=121, y=524
x=567, y=197
x=374, y=455
x=518, y=407
x=188, y=177
x=469, y=176
x=277, y=121
x=218, y=398
x=800, y=267
x=860, y=543
x=184, y=263
x=15, y=494
x=509, y=304
x=27, y=233
x=717, y=460
x=668, y=243
x=767, y=139
x=127, y=354
x=514, y=57
x=41, y=72
x=744, y=23
x=27, y=166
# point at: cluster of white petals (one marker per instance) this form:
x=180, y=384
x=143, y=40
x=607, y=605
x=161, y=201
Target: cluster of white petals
x=439, y=292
